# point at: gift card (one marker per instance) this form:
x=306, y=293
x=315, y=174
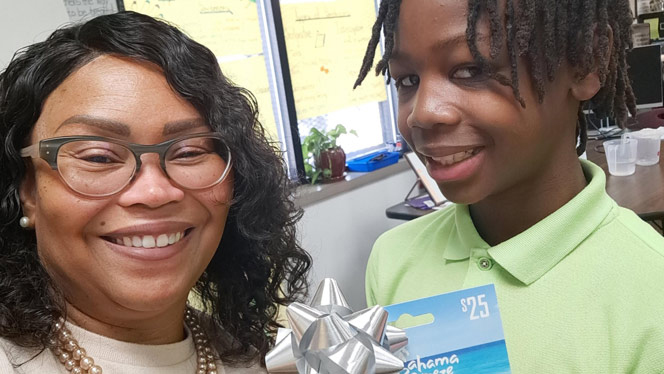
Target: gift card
x=458, y=332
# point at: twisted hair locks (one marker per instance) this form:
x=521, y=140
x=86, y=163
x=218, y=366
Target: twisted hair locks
x=541, y=33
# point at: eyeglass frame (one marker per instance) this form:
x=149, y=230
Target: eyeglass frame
x=48, y=149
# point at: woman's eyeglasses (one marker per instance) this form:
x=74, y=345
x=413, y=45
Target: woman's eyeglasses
x=98, y=167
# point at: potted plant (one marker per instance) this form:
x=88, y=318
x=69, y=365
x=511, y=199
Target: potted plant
x=324, y=159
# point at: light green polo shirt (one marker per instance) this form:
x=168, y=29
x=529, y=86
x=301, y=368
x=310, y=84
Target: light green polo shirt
x=582, y=291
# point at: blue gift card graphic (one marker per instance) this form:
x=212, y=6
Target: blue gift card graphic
x=458, y=332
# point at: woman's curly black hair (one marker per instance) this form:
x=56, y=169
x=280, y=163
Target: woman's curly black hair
x=258, y=265
x=543, y=32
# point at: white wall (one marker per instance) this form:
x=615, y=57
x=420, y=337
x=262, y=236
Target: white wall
x=23, y=22
x=339, y=232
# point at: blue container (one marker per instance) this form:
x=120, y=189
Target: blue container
x=373, y=161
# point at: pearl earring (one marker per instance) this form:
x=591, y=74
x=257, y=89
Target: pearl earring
x=24, y=222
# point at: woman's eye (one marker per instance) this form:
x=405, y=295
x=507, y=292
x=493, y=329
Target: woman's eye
x=189, y=153
x=98, y=157
x=468, y=72
x=407, y=81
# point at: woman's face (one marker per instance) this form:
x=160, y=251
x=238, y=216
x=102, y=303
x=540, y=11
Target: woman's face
x=77, y=236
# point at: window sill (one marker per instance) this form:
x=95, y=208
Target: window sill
x=310, y=194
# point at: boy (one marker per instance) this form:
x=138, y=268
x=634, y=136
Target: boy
x=491, y=95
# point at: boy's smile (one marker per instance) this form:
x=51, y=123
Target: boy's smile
x=477, y=141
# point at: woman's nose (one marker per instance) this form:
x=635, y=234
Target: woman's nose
x=151, y=186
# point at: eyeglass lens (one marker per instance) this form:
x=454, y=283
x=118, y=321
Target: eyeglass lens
x=100, y=168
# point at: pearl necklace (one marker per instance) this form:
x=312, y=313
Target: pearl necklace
x=76, y=360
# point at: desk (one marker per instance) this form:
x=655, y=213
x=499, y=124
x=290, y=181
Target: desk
x=642, y=192
x=405, y=212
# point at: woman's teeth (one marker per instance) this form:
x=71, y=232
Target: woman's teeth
x=149, y=241
x=455, y=158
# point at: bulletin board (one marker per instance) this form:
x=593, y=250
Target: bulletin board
x=325, y=42
x=230, y=29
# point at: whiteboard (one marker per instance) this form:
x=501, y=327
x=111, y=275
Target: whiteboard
x=27, y=22
x=83, y=10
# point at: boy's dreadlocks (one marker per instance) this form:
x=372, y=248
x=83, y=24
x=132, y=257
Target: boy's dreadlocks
x=543, y=32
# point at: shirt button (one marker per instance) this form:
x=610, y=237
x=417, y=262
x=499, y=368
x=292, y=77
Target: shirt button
x=484, y=263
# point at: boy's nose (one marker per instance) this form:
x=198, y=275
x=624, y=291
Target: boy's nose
x=434, y=104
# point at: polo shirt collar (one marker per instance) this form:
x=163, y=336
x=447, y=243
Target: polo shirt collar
x=531, y=254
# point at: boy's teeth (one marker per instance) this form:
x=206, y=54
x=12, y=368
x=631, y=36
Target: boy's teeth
x=453, y=159
x=149, y=241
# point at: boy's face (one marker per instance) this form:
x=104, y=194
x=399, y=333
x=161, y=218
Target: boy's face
x=473, y=135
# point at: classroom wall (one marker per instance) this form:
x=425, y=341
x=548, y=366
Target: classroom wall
x=26, y=22
x=339, y=232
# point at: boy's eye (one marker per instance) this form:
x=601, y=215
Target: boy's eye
x=407, y=81
x=467, y=72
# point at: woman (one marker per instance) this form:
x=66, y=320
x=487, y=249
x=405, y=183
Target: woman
x=132, y=171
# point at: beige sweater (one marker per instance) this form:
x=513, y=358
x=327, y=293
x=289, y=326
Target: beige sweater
x=114, y=357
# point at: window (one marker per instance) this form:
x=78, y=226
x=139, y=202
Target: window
x=325, y=43
x=299, y=58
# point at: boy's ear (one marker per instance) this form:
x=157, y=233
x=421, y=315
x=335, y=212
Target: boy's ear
x=586, y=87
x=27, y=194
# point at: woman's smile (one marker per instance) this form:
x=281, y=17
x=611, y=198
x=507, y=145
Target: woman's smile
x=146, y=248
x=147, y=241
x=150, y=241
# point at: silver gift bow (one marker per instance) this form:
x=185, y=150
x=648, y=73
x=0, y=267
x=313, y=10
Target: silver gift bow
x=327, y=337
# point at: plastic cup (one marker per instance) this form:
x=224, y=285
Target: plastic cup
x=648, y=147
x=621, y=156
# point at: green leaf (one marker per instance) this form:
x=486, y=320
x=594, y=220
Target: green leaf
x=337, y=131
x=315, y=177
